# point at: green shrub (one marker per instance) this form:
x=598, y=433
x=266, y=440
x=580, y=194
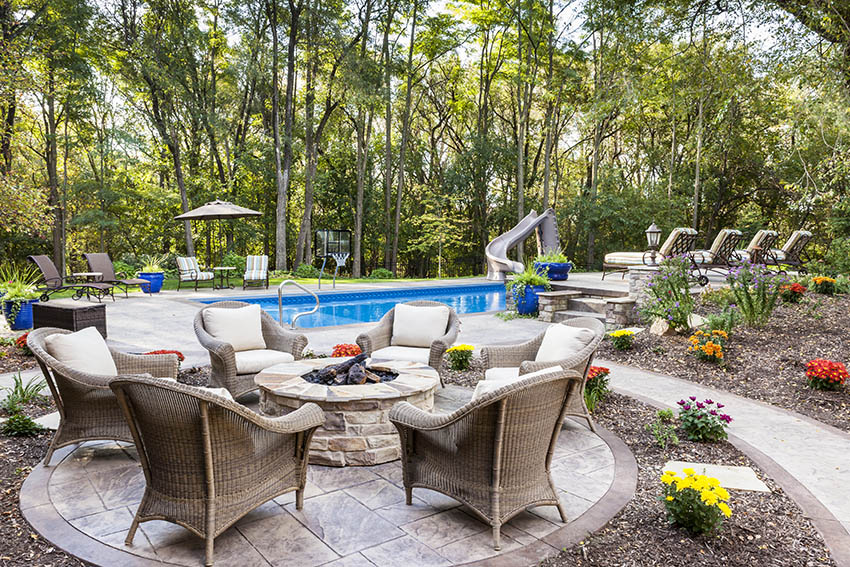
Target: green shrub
x=702, y=421
x=670, y=294
x=235, y=260
x=528, y=277
x=381, y=274
x=20, y=425
x=724, y=321
x=842, y=284
x=721, y=297
x=122, y=267
x=756, y=292
x=460, y=357
x=663, y=429
x=306, y=271
x=837, y=258
x=553, y=256
x=695, y=502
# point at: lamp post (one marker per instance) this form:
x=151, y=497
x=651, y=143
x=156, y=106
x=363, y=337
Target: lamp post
x=653, y=236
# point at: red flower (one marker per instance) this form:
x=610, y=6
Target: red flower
x=820, y=371
x=597, y=372
x=180, y=357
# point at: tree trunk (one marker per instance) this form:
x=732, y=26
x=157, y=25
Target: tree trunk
x=388, y=140
x=520, y=150
x=302, y=253
x=280, y=211
x=363, y=131
x=697, y=181
x=51, y=158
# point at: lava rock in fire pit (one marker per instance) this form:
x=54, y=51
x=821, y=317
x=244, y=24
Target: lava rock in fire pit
x=350, y=372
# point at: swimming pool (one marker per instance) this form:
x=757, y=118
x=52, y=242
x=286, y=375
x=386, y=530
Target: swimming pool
x=345, y=308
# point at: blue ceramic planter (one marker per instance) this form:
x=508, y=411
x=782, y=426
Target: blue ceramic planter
x=23, y=320
x=555, y=271
x=527, y=303
x=156, y=279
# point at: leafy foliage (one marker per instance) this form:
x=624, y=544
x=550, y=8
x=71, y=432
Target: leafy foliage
x=596, y=388
x=695, y=502
x=663, y=428
x=20, y=425
x=670, y=294
x=306, y=271
x=756, y=292
x=702, y=420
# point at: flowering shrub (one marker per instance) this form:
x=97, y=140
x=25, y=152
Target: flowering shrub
x=21, y=343
x=345, y=349
x=670, y=293
x=824, y=285
x=756, y=291
x=180, y=357
x=695, y=502
x=792, y=293
x=459, y=357
x=825, y=374
x=702, y=421
x=622, y=339
x=596, y=387
x=708, y=346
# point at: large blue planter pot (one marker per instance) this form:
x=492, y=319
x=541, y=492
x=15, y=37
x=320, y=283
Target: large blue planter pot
x=527, y=303
x=23, y=320
x=156, y=279
x=556, y=271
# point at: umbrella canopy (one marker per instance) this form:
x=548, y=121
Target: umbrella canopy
x=218, y=210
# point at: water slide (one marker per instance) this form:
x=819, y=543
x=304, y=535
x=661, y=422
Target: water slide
x=498, y=263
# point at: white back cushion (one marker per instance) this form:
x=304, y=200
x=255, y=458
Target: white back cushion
x=490, y=385
x=241, y=327
x=561, y=341
x=84, y=351
x=419, y=325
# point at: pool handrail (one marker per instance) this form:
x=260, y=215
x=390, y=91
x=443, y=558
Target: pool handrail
x=280, y=302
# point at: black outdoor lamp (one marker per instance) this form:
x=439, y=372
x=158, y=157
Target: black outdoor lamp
x=653, y=237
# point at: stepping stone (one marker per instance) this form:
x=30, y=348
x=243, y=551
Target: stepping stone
x=50, y=421
x=733, y=478
x=635, y=330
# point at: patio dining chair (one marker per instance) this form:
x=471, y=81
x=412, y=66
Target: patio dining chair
x=256, y=272
x=207, y=460
x=680, y=241
x=53, y=282
x=101, y=262
x=190, y=271
x=494, y=453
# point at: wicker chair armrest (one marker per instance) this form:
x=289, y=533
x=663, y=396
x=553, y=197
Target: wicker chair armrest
x=157, y=365
x=407, y=415
x=216, y=347
x=502, y=356
x=278, y=338
x=375, y=338
x=449, y=338
x=577, y=362
x=308, y=416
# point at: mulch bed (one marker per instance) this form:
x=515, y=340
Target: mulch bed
x=20, y=546
x=12, y=359
x=767, y=364
x=765, y=529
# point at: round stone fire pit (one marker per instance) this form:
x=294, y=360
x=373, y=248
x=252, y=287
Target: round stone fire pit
x=356, y=429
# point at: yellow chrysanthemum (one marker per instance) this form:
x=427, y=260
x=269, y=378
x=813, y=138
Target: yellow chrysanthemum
x=708, y=497
x=721, y=493
x=727, y=511
x=669, y=498
x=689, y=472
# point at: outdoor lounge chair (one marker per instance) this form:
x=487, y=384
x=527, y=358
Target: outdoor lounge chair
x=719, y=258
x=758, y=250
x=52, y=282
x=680, y=241
x=190, y=271
x=243, y=343
x=256, y=272
x=87, y=407
x=510, y=362
x=494, y=453
x=422, y=332
x=207, y=460
x=792, y=252
x=100, y=262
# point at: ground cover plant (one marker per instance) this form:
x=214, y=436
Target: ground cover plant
x=669, y=294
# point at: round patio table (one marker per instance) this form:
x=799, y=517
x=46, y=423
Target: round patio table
x=223, y=276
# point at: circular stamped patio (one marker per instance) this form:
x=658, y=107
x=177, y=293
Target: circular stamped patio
x=352, y=517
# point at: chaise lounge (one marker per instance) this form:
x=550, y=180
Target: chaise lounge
x=719, y=258
x=758, y=250
x=792, y=252
x=680, y=241
x=52, y=282
x=101, y=262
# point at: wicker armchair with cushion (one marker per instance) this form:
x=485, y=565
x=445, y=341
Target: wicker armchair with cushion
x=190, y=271
x=570, y=345
x=792, y=252
x=680, y=241
x=207, y=460
x=494, y=453
x=256, y=272
x=758, y=250
x=78, y=367
x=420, y=331
x=101, y=262
x=243, y=340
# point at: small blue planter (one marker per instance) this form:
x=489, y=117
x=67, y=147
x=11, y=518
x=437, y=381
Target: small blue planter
x=23, y=320
x=527, y=303
x=556, y=271
x=156, y=279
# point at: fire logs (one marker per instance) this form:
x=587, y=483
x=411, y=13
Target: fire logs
x=350, y=372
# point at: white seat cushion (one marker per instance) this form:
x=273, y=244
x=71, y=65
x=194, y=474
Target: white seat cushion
x=83, y=351
x=628, y=258
x=414, y=354
x=561, y=341
x=489, y=385
x=242, y=328
x=253, y=361
x=505, y=373
x=419, y=325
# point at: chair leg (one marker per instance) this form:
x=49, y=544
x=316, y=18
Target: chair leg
x=590, y=423
x=210, y=542
x=497, y=537
x=562, y=512
x=299, y=499
x=132, y=532
x=408, y=495
x=51, y=450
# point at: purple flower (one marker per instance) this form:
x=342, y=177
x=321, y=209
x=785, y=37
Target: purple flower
x=700, y=415
x=713, y=412
x=726, y=418
x=681, y=402
x=686, y=407
x=719, y=405
x=709, y=401
x=692, y=398
x=700, y=405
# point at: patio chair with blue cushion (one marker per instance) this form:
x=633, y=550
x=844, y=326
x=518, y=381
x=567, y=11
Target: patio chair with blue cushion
x=681, y=241
x=256, y=272
x=190, y=271
x=792, y=253
x=758, y=250
x=719, y=258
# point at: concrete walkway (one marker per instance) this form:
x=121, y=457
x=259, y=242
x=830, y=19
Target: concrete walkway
x=814, y=454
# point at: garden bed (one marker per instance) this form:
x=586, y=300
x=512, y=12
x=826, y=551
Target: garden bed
x=13, y=359
x=767, y=364
x=765, y=528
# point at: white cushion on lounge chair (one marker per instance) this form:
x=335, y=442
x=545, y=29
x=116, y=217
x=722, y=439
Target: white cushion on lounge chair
x=83, y=351
x=490, y=385
x=413, y=354
x=561, y=341
x=628, y=258
x=253, y=361
x=667, y=248
x=242, y=328
x=418, y=325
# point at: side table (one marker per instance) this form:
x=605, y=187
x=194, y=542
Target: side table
x=223, y=273
x=70, y=317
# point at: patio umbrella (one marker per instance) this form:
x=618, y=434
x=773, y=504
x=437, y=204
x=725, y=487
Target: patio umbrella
x=217, y=210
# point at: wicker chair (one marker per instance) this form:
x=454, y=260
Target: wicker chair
x=87, y=407
x=494, y=453
x=523, y=355
x=223, y=358
x=381, y=335
x=207, y=460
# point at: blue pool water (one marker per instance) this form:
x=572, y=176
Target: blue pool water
x=345, y=308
